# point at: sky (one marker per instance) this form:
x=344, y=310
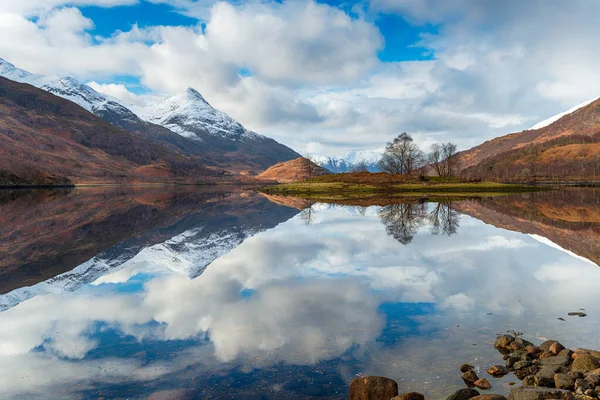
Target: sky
x=331, y=76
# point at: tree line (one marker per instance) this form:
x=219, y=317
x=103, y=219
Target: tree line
x=403, y=156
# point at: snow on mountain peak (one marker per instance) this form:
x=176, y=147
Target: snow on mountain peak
x=556, y=117
x=191, y=116
x=349, y=160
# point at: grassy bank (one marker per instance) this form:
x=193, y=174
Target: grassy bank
x=366, y=185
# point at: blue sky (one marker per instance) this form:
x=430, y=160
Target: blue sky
x=325, y=77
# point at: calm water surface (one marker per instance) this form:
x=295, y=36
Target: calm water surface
x=194, y=293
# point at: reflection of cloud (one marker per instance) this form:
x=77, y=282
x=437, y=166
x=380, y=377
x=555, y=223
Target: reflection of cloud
x=296, y=294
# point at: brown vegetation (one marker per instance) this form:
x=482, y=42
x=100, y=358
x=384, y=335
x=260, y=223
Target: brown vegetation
x=566, y=150
x=294, y=170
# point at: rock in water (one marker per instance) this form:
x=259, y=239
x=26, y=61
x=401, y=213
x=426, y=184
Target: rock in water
x=482, y=384
x=537, y=393
x=466, y=368
x=373, y=388
x=585, y=363
x=409, y=396
x=497, y=371
x=469, y=378
x=463, y=394
x=546, y=345
x=502, y=343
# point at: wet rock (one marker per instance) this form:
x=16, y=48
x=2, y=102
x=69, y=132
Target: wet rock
x=466, y=368
x=585, y=363
x=515, y=346
x=545, y=354
x=545, y=347
x=522, y=364
x=502, y=343
x=523, y=342
x=497, y=371
x=590, y=392
x=556, y=348
x=556, y=361
x=564, y=381
x=469, y=378
x=373, y=388
x=537, y=393
x=529, y=380
x=482, y=384
x=523, y=372
x=545, y=377
x=463, y=394
x=533, y=351
x=595, y=372
x=577, y=314
x=489, y=397
x=593, y=353
x=409, y=396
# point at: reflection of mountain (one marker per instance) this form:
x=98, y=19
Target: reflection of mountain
x=90, y=232
x=568, y=218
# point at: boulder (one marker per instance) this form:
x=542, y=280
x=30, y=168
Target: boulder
x=463, y=394
x=556, y=361
x=595, y=372
x=564, y=381
x=566, y=352
x=482, y=384
x=581, y=385
x=466, y=368
x=545, y=347
x=522, y=364
x=409, y=396
x=373, y=388
x=585, y=363
x=537, y=393
x=497, y=371
x=533, y=351
x=594, y=380
x=556, y=348
x=469, y=378
x=545, y=354
x=545, y=377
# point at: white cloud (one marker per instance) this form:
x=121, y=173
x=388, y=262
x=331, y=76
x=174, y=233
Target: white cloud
x=118, y=91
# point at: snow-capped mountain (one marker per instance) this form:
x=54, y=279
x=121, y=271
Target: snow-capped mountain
x=546, y=122
x=68, y=88
x=190, y=115
x=185, y=121
x=349, y=161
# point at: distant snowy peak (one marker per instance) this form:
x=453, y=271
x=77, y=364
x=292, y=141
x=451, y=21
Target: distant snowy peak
x=191, y=116
x=349, y=161
x=556, y=117
x=73, y=90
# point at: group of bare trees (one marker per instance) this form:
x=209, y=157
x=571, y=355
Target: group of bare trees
x=403, y=156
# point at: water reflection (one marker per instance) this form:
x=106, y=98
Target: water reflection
x=298, y=310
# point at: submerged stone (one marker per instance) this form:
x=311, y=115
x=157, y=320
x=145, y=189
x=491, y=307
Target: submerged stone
x=373, y=388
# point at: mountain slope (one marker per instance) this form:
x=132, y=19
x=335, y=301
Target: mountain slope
x=566, y=149
x=47, y=140
x=226, y=142
x=295, y=170
x=184, y=123
x=350, y=161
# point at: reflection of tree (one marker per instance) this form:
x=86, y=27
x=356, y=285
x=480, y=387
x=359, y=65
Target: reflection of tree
x=402, y=221
x=444, y=219
x=308, y=214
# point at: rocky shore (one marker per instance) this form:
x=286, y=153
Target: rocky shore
x=548, y=371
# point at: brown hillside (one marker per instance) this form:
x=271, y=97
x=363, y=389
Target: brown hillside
x=293, y=170
x=48, y=140
x=566, y=149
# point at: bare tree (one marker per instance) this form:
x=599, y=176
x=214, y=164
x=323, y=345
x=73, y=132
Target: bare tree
x=450, y=159
x=442, y=158
x=402, y=221
x=435, y=159
x=444, y=219
x=308, y=214
x=402, y=156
